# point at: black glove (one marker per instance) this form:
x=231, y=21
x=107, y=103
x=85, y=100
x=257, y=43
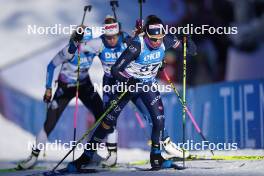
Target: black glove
x=77, y=35
x=47, y=96
x=139, y=27
x=163, y=65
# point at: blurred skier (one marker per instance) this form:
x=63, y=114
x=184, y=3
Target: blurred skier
x=139, y=63
x=66, y=90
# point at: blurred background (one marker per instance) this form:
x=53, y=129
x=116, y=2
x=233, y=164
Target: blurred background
x=225, y=80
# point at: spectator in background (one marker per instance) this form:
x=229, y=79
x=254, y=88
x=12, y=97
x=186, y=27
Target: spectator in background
x=209, y=65
x=245, y=57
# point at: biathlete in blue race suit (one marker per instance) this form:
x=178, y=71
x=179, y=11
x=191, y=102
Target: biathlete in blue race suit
x=139, y=63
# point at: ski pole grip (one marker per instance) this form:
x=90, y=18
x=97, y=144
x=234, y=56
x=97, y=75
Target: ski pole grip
x=88, y=7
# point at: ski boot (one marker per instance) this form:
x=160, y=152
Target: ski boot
x=111, y=159
x=30, y=162
x=172, y=150
x=157, y=162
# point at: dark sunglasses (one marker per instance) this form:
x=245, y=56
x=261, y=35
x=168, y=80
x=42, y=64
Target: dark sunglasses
x=154, y=39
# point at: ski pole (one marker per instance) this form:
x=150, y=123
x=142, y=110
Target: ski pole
x=141, y=14
x=114, y=4
x=187, y=109
x=88, y=7
x=44, y=152
x=184, y=97
x=108, y=110
x=141, y=8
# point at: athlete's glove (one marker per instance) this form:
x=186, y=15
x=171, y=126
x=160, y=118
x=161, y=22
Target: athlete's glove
x=47, y=96
x=77, y=35
x=163, y=65
x=139, y=27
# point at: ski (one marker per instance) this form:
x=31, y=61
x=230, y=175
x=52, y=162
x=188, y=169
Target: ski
x=63, y=171
x=204, y=157
x=223, y=157
x=119, y=167
x=159, y=169
x=129, y=167
x=15, y=169
x=136, y=166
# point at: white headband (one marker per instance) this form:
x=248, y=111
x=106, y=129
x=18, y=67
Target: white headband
x=111, y=29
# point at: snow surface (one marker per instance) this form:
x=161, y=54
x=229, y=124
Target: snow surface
x=13, y=147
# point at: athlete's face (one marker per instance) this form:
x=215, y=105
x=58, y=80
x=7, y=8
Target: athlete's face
x=111, y=40
x=154, y=42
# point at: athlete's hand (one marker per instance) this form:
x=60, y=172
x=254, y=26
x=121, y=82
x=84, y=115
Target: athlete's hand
x=163, y=65
x=47, y=96
x=139, y=27
x=77, y=35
